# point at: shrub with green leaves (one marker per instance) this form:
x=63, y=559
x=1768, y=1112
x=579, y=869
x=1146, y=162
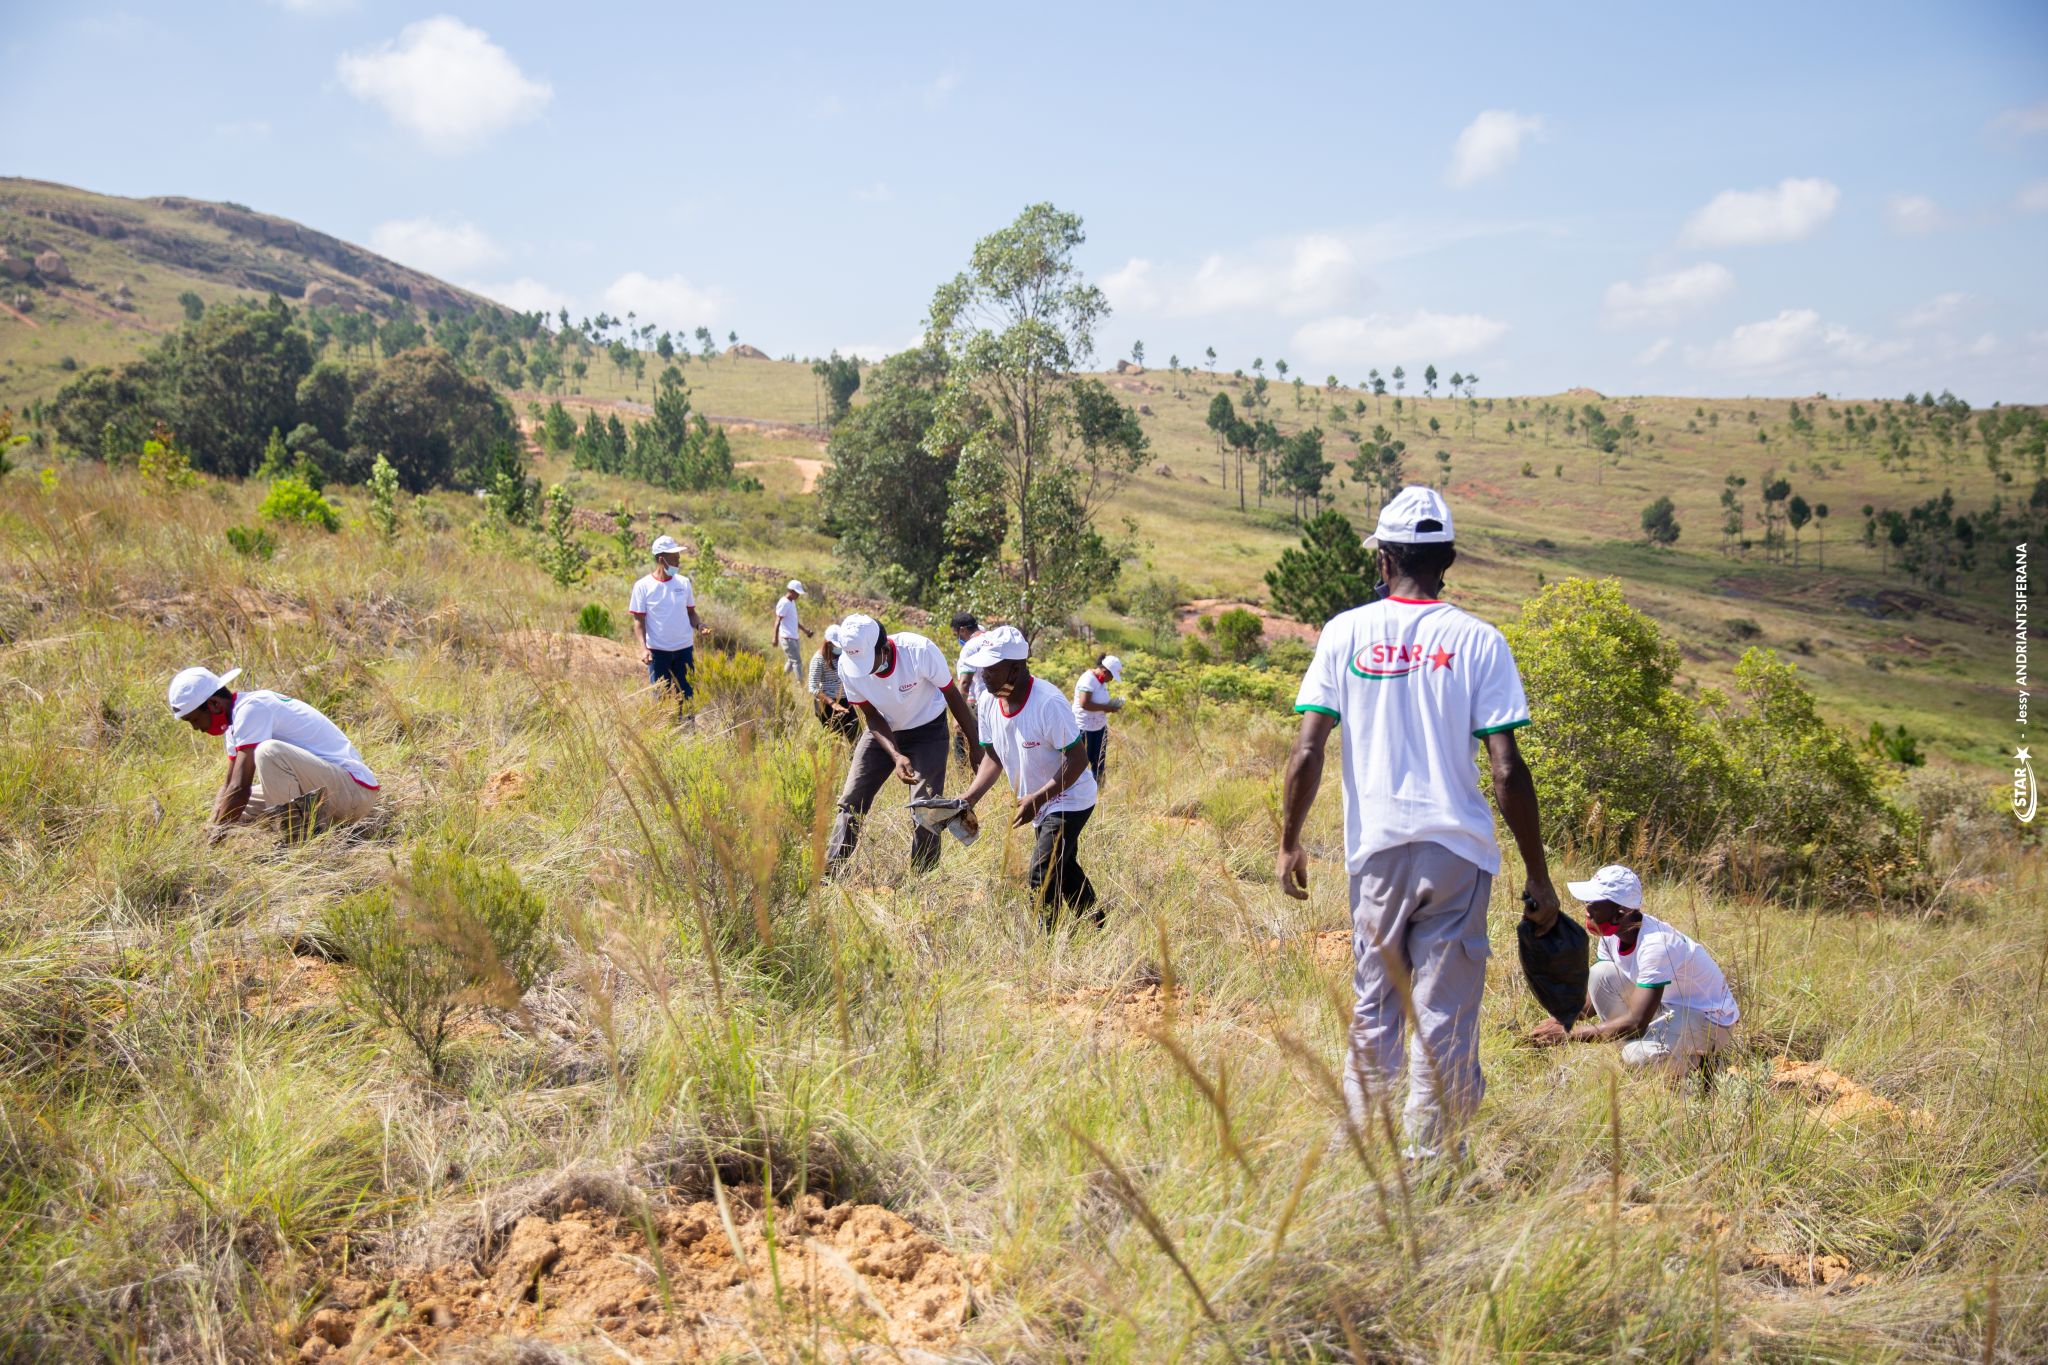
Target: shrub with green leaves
x=450, y=936
x=1239, y=633
x=560, y=555
x=293, y=500
x=595, y=619
x=252, y=542
x=384, y=498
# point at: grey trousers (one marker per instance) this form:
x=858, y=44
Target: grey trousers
x=1418, y=912
x=792, y=657
x=871, y=768
x=1679, y=1037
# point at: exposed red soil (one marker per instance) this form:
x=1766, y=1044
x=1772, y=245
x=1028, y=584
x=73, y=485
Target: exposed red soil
x=573, y=653
x=1838, y=1098
x=1128, y=1014
x=1188, y=619
x=674, y=1284
x=506, y=784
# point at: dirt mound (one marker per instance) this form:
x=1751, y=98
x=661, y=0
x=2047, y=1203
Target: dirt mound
x=1329, y=948
x=1128, y=1014
x=506, y=784
x=1804, y=1270
x=1583, y=392
x=1787, y=1269
x=573, y=653
x=1188, y=619
x=1840, y=1099
x=675, y=1284
x=742, y=351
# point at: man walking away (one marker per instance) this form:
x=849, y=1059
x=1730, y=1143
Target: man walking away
x=1028, y=732
x=786, y=628
x=1418, y=686
x=903, y=687
x=286, y=761
x=1651, y=984
x=665, y=621
x=1093, y=706
x=828, y=696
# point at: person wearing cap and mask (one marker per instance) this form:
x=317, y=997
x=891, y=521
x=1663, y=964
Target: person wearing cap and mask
x=1093, y=705
x=1419, y=687
x=285, y=759
x=786, y=628
x=1652, y=989
x=665, y=620
x=902, y=685
x=828, y=694
x=1029, y=732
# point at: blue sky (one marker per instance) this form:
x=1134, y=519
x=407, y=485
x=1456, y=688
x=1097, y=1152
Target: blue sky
x=1729, y=199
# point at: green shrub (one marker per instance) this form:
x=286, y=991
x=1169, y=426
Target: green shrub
x=451, y=936
x=595, y=619
x=560, y=555
x=1239, y=633
x=384, y=498
x=294, y=500
x=1897, y=745
x=252, y=542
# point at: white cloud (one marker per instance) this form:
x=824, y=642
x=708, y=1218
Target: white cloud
x=1985, y=344
x=1291, y=277
x=1421, y=337
x=2032, y=119
x=2034, y=198
x=669, y=300
x=1666, y=297
x=1938, y=309
x=524, y=295
x=1794, y=336
x=877, y=193
x=1791, y=211
x=1914, y=215
x=1654, y=352
x=446, y=82
x=437, y=247
x=1490, y=144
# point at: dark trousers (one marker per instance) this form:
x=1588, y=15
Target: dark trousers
x=1057, y=881
x=871, y=767
x=838, y=719
x=672, y=666
x=1097, y=741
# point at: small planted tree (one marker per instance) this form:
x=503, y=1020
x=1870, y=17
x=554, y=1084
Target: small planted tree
x=560, y=555
x=292, y=500
x=1239, y=633
x=384, y=498
x=1659, y=523
x=1330, y=572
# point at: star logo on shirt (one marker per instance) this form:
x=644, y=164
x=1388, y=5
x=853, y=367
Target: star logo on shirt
x=1441, y=659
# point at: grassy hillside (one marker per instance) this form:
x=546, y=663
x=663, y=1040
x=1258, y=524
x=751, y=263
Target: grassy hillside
x=129, y=260
x=982, y=1141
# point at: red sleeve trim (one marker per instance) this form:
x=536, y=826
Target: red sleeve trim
x=244, y=748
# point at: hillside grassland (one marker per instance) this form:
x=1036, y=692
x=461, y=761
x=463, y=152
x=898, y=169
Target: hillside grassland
x=1108, y=1145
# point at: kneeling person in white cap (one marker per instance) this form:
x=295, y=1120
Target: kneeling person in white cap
x=902, y=685
x=1652, y=989
x=786, y=628
x=1093, y=705
x=285, y=759
x=1028, y=732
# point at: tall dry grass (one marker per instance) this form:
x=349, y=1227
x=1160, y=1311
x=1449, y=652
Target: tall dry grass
x=1139, y=1125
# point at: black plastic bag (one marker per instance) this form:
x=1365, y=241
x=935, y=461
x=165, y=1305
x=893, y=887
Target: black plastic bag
x=1554, y=964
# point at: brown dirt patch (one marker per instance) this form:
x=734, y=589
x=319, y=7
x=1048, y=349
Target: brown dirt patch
x=573, y=653
x=809, y=469
x=1329, y=948
x=1787, y=1269
x=1188, y=619
x=1128, y=1014
x=674, y=1286
x=284, y=985
x=1838, y=1098
x=506, y=784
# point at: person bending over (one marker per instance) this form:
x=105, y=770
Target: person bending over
x=286, y=761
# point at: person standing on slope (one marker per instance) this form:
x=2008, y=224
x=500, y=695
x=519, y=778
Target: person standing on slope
x=1418, y=686
x=286, y=761
x=1093, y=706
x=1028, y=731
x=902, y=685
x=786, y=628
x=665, y=621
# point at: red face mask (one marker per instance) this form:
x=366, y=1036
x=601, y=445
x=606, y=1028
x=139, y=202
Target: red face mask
x=1594, y=926
x=217, y=722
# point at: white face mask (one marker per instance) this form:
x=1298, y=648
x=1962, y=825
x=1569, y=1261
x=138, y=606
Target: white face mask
x=663, y=571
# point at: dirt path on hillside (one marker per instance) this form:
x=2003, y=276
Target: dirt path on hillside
x=810, y=469
x=19, y=316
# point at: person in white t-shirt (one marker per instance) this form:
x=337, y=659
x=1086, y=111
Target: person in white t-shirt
x=1652, y=987
x=1028, y=731
x=1093, y=707
x=902, y=685
x=285, y=759
x=787, y=628
x=965, y=629
x=665, y=620
x=1420, y=688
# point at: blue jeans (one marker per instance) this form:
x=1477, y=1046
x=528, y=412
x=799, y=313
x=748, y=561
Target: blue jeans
x=673, y=666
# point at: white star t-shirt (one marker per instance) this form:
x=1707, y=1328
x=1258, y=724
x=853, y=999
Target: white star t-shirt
x=262, y=715
x=665, y=606
x=1090, y=687
x=1032, y=742
x=1666, y=957
x=912, y=691
x=1415, y=685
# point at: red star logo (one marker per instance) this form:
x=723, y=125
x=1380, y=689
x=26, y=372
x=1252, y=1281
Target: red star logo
x=1442, y=658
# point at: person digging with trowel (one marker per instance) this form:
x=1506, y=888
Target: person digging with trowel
x=1652, y=989
x=1028, y=732
x=286, y=761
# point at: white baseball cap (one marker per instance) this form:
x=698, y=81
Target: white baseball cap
x=666, y=545
x=1115, y=667
x=858, y=636
x=192, y=686
x=1406, y=518
x=1611, y=883
x=796, y=586
x=831, y=634
x=994, y=645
